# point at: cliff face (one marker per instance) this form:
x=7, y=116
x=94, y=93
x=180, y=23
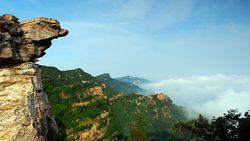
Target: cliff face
x=25, y=113
x=24, y=108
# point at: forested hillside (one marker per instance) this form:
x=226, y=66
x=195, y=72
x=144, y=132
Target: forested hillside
x=86, y=107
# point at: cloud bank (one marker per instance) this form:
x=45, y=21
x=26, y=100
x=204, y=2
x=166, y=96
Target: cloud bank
x=209, y=95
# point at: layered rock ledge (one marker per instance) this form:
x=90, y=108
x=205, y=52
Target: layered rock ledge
x=25, y=113
x=26, y=41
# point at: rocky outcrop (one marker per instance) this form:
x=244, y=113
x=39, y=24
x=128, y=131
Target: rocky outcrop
x=162, y=97
x=26, y=41
x=25, y=113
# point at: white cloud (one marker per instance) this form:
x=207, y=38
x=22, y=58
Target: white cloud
x=210, y=95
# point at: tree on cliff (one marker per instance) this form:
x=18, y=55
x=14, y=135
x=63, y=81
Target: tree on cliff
x=137, y=132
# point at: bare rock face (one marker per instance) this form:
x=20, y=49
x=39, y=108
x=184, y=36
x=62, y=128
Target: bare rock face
x=25, y=113
x=28, y=40
x=24, y=108
x=162, y=96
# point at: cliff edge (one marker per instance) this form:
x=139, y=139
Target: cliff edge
x=25, y=113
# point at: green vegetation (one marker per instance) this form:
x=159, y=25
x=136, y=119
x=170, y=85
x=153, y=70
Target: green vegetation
x=137, y=130
x=230, y=127
x=157, y=115
x=79, y=101
x=66, y=88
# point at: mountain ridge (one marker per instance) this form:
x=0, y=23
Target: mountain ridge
x=89, y=109
x=117, y=85
x=134, y=80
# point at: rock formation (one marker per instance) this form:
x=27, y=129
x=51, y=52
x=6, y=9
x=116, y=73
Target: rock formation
x=25, y=113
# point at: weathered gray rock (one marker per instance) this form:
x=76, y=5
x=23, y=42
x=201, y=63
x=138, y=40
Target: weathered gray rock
x=25, y=113
x=28, y=40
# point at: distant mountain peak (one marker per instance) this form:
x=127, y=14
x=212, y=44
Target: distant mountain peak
x=125, y=87
x=133, y=80
x=104, y=76
x=127, y=76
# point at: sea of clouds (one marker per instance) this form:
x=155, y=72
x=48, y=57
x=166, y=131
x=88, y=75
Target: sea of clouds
x=210, y=95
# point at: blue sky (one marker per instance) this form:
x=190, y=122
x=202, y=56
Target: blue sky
x=155, y=39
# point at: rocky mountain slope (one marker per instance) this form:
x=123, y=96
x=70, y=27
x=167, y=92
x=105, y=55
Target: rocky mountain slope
x=24, y=108
x=120, y=86
x=156, y=114
x=79, y=101
x=89, y=109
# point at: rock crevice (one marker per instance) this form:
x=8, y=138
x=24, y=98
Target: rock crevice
x=25, y=113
